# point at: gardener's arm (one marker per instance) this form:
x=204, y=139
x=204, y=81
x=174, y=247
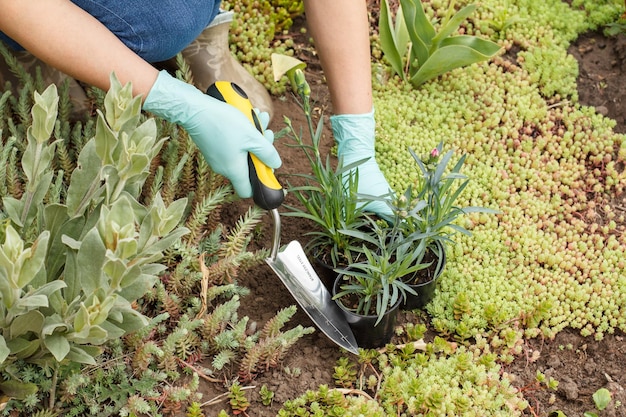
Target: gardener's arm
x=65, y=37
x=69, y=39
x=341, y=33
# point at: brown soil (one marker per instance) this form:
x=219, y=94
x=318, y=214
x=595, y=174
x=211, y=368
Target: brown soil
x=581, y=365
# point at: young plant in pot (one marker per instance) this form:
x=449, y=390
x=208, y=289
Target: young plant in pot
x=431, y=208
x=371, y=292
x=328, y=198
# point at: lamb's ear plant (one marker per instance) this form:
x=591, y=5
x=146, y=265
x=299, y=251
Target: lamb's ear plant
x=417, y=52
x=73, y=264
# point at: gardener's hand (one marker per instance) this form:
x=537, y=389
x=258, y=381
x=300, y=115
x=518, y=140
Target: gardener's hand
x=222, y=133
x=354, y=134
x=264, y=119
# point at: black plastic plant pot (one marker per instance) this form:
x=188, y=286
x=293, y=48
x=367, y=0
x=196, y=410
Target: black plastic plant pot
x=367, y=333
x=424, y=295
x=325, y=272
x=425, y=291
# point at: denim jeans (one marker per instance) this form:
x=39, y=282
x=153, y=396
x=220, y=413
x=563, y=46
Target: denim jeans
x=155, y=30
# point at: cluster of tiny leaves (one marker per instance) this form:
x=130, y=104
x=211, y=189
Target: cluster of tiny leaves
x=451, y=381
x=555, y=257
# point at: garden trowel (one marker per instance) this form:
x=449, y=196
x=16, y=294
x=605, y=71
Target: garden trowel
x=291, y=264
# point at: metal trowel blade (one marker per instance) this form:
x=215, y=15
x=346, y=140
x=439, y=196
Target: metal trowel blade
x=295, y=271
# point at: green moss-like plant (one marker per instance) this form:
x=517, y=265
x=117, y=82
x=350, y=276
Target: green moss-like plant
x=253, y=35
x=325, y=402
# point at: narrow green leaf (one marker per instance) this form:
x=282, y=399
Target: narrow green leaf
x=421, y=30
x=90, y=260
x=50, y=288
x=85, y=185
x=164, y=243
x=81, y=320
x=483, y=47
x=401, y=32
x=388, y=41
x=14, y=208
x=35, y=197
x=453, y=24
x=106, y=141
x=31, y=302
x=35, y=262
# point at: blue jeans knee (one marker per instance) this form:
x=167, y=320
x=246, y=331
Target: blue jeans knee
x=155, y=30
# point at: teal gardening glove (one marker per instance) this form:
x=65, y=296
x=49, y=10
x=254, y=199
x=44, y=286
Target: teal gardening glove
x=354, y=134
x=222, y=133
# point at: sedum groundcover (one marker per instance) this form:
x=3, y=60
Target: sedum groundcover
x=550, y=165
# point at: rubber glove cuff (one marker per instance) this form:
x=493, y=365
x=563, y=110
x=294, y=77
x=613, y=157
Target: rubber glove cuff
x=355, y=137
x=354, y=134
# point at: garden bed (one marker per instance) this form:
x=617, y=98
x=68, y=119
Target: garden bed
x=580, y=364
x=534, y=297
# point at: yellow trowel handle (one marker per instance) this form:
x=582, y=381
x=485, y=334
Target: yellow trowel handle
x=267, y=192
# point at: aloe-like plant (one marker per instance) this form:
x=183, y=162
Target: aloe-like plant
x=418, y=53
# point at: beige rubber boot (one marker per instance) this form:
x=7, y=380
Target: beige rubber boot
x=50, y=75
x=210, y=60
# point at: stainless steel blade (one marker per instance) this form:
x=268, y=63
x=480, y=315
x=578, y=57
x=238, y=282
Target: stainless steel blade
x=295, y=271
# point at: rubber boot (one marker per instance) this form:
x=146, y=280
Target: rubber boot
x=50, y=75
x=210, y=60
